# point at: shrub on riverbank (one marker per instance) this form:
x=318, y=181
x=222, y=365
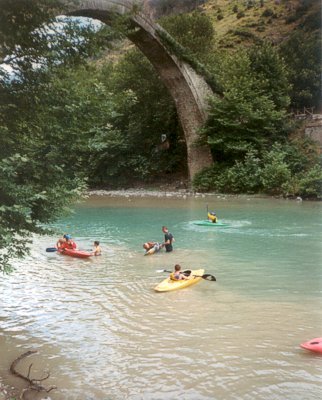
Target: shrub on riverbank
x=284, y=170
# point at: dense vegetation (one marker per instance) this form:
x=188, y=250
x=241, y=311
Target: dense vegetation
x=256, y=144
x=41, y=152
x=74, y=114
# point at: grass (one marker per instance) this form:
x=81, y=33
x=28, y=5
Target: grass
x=273, y=20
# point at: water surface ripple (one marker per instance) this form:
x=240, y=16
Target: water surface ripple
x=105, y=334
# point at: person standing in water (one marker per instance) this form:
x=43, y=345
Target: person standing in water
x=168, y=239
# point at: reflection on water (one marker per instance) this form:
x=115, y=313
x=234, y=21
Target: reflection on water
x=105, y=334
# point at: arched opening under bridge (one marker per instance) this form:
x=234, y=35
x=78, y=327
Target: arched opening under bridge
x=188, y=89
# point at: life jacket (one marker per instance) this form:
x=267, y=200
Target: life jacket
x=70, y=245
x=173, y=277
x=212, y=216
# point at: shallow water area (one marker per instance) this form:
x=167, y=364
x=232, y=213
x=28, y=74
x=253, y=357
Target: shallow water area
x=104, y=333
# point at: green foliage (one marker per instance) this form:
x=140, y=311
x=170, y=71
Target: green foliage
x=193, y=31
x=129, y=144
x=208, y=179
x=302, y=54
x=220, y=15
x=270, y=71
x=19, y=21
x=166, y=7
x=275, y=172
x=42, y=112
x=37, y=184
x=268, y=12
x=245, y=176
x=191, y=38
x=240, y=14
x=251, y=112
x=310, y=183
x=282, y=170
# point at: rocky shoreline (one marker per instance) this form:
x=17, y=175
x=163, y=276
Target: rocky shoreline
x=168, y=193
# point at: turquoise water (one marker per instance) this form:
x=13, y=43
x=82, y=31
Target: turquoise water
x=105, y=334
x=279, y=242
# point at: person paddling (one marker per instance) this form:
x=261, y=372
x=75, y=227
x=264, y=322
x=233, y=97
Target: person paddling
x=70, y=244
x=212, y=217
x=178, y=275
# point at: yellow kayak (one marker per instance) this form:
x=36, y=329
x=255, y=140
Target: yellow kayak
x=169, y=284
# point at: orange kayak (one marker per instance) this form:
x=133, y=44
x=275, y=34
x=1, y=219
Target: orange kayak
x=75, y=253
x=313, y=345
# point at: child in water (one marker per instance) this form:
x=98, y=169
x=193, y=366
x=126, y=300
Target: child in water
x=97, y=249
x=150, y=245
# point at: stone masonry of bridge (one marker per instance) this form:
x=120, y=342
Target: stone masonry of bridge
x=188, y=89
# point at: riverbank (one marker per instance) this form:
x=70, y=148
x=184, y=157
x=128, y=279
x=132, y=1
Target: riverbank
x=170, y=192
x=8, y=392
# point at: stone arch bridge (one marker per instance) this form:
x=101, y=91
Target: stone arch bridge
x=186, y=87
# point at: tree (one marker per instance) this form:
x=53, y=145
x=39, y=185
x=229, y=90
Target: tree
x=252, y=112
x=193, y=31
x=40, y=150
x=129, y=146
x=302, y=54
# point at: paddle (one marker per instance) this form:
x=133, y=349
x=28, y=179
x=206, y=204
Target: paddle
x=51, y=249
x=207, y=277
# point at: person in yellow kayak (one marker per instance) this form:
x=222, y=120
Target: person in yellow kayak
x=212, y=217
x=178, y=275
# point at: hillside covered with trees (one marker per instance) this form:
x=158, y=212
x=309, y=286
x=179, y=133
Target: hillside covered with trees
x=82, y=108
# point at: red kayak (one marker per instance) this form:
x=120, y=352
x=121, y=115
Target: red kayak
x=75, y=253
x=313, y=345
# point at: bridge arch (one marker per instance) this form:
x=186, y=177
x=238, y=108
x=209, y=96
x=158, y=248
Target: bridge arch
x=188, y=90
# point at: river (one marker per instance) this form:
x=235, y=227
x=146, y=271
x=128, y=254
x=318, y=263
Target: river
x=104, y=333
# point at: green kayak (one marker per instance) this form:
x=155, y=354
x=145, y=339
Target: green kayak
x=209, y=223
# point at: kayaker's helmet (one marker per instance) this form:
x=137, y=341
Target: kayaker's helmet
x=67, y=237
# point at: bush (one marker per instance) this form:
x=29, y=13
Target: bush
x=220, y=16
x=276, y=172
x=244, y=176
x=310, y=184
x=207, y=180
x=268, y=13
x=240, y=14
